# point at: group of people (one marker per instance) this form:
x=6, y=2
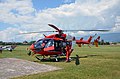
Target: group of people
x=69, y=47
x=69, y=44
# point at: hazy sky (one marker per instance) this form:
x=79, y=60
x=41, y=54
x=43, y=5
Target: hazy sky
x=18, y=16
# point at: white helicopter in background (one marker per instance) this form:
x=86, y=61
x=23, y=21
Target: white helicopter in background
x=8, y=47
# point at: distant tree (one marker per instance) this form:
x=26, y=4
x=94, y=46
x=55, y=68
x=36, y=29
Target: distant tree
x=102, y=42
x=107, y=43
x=114, y=43
x=19, y=43
x=31, y=42
x=25, y=42
x=1, y=42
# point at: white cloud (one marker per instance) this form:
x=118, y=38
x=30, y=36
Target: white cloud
x=9, y=34
x=83, y=14
x=116, y=28
x=16, y=11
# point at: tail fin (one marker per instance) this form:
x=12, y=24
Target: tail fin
x=96, y=41
x=90, y=38
x=98, y=38
x=44, y=35
x=81, y=39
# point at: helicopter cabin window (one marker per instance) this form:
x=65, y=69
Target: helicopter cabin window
x=49, y=43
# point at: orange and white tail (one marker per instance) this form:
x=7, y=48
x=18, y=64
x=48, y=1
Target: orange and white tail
x=89, y=39
x=96, y=41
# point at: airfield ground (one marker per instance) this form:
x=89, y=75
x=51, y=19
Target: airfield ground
x=102, y=63
x=12, y=67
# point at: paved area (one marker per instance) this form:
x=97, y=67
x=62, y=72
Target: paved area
x=12, y=67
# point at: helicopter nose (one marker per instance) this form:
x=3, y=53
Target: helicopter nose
x=32, y=47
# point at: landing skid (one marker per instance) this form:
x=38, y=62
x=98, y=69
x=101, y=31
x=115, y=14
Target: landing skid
x=53, y=58
x=39, y=57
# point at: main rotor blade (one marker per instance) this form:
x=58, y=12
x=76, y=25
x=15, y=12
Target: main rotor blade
x=55, y=27
x=64, y=31
x=84, y=30
x=38, y=32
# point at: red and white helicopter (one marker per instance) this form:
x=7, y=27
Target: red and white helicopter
x=55, y=45
x=88, y=41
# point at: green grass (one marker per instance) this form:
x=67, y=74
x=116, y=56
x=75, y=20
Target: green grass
x=105, y=65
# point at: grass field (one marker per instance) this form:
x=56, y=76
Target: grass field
x=104, y=65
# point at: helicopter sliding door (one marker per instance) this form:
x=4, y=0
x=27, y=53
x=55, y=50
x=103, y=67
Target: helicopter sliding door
x=57, y=45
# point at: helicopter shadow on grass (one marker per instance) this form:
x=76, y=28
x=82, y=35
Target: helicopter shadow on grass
x=63, y=59
x=51, y=59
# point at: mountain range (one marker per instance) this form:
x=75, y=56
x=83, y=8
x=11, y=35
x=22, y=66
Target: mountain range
x=108, y=37
x=111, y=37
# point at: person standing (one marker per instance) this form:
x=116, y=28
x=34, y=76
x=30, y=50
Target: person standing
x=1, y=49
x=77, y=62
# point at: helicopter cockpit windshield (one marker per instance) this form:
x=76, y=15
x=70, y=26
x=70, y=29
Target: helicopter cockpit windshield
x=41, y=43
x=38, y=44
